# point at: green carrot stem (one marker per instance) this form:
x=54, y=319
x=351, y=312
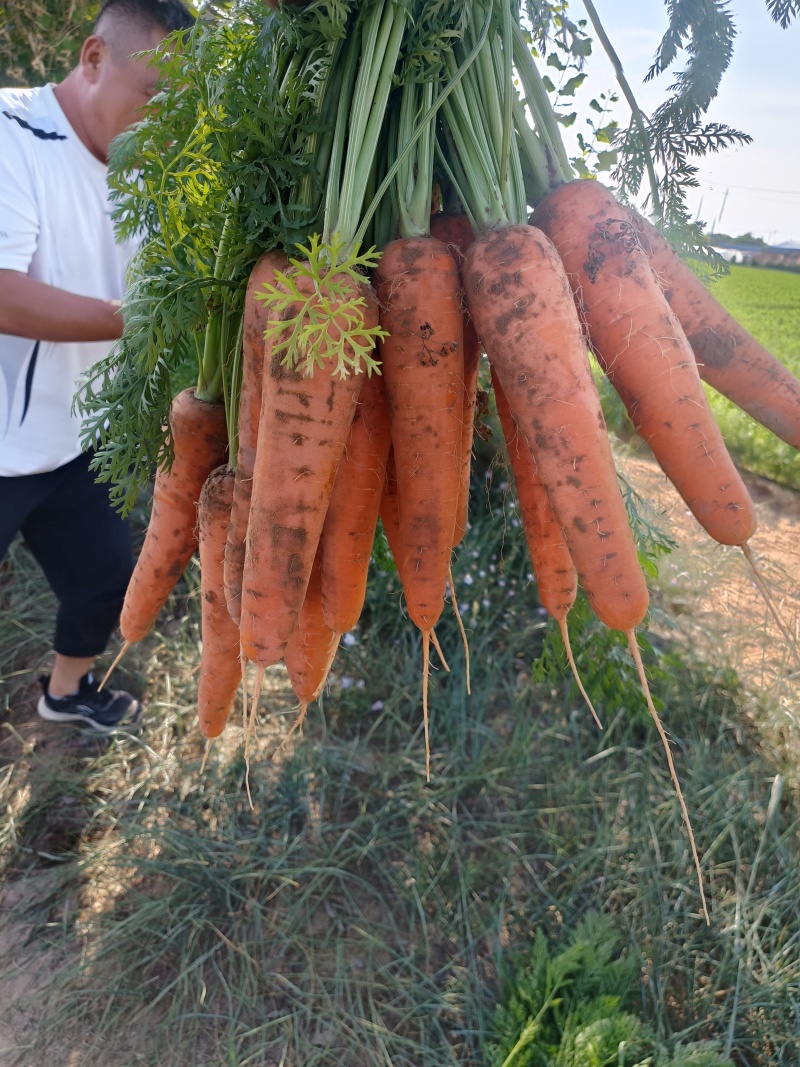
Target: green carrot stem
x=209, y=381
x=232, y=385
x=508, y=93
x=538, y=102
x=439, y=102
x=333, y=189
x=415, y=177
x=381, y=50
x=511, y=183
x=320, y=143
x=627, y=92
x=481, y=189
x=533, y=156
x=450, y=164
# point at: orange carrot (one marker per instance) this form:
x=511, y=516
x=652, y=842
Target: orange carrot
x=556, y=577
x=555, y=573
x=312, y=645
x=390, y=512
x=523, y=309
x=220, y=664
x=422, y=363
x=643, y=350
x=253, y=326
x=456, y=232
x=199, y=439
x=304, y=424
x=352, y=516
x=728, y=357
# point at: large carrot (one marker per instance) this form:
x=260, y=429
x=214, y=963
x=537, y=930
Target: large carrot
x=418, y=288
x=253, y=325
x=304, y=423
x=199, y=438
x=643, y=350
x=456, y=232
x=524, y=312
x=728, y=357
x=556, y=577
x=220, y=663
x=352, y=516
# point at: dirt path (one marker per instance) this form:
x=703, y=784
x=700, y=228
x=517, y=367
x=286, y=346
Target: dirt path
x=709, y=592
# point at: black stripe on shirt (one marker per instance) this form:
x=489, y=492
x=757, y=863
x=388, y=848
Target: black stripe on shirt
x=43, y=135
x=29, y=380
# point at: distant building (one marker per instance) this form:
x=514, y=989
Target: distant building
x=786, y=256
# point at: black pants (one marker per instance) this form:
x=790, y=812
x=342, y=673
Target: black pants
x=81, y=544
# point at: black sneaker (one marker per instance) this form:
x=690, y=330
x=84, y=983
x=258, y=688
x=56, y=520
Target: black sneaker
x=103, y=710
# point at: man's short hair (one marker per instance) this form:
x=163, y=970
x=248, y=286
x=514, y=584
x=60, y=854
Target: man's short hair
x=144, y=15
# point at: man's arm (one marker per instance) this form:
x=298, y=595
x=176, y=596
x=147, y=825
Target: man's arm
x=30, y=308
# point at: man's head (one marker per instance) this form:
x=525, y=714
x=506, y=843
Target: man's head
x=107, y=91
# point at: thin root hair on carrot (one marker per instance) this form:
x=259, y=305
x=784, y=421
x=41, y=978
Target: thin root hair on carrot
x=295, y=727
x=250, y=730
x=772, y=608
x=439, y=653
x=206, y=753
x=562, y=624
x=115, y=664
x=244, y=660
x=463, y=632
x=637, y=658
x=426, y=652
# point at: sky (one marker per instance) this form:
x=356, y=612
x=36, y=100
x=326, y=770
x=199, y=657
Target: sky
x=754, y=188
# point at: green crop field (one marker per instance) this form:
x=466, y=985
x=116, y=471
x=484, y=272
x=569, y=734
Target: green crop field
x=767, y=303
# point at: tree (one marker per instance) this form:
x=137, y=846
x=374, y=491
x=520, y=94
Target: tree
x=40, y=39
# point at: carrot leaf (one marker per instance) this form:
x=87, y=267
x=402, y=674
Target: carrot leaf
x=323, y=321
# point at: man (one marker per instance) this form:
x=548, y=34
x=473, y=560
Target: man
x=62, y=277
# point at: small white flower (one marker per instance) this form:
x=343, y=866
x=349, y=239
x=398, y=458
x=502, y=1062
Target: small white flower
x=377, y=706
x=350, y=639
x=346, y=681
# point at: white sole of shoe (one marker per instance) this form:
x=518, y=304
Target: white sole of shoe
x=46, y=712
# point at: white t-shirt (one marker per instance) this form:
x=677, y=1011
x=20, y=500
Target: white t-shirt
x=55, y=226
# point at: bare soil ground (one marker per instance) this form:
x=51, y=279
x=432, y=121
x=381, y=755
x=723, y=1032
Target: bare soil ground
x=709, y=592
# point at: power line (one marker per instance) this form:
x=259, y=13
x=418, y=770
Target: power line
x=750, y=188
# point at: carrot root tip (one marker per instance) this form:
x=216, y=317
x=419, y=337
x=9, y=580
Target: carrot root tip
x=439, y=653
x=761, y=584
x=562, y=623
x=637, y=658
x=115, y=664
x=426, y=634
x=462, y=631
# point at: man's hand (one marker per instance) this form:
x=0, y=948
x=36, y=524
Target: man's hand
x=30, y=308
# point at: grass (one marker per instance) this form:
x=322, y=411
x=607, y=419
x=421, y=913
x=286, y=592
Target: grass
x=357, y=914
x=767, y=303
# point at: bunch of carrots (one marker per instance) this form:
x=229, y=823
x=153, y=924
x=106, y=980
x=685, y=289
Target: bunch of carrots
x=356, y=391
